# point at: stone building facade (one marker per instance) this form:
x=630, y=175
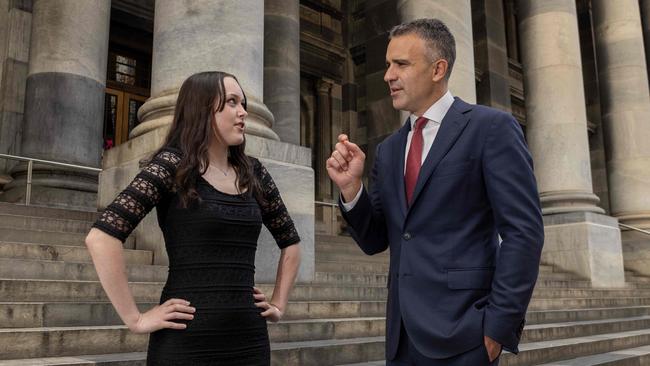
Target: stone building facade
x=94, y=83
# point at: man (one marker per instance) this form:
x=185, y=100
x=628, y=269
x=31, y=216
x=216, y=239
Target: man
x=444, y=187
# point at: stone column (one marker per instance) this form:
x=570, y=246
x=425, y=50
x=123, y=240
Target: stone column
x=64, y=101
x=457, y=15
x=625, y=103
x=282, y=67
x=557, y=136
x=15, y=35
x=323, y=139
x=491, y=57
x=206, y=35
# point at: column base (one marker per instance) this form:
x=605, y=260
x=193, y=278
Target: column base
x=289, y=165
x=53, y=188
x=587, y=244
x=568, y=202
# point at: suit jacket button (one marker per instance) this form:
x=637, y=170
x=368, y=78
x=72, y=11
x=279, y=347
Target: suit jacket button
x=406, y=236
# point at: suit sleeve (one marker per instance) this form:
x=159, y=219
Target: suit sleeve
x=366, y=218
x=512, y=192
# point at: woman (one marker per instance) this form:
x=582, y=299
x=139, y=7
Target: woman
x=211, y=200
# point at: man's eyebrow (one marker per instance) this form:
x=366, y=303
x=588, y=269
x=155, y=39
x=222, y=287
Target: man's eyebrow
x=398, y=61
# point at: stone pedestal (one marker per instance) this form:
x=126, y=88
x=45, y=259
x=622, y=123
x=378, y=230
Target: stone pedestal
x=289, y=165
x=587, y=244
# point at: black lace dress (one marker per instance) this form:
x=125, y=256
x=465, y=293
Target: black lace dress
x=211, y=248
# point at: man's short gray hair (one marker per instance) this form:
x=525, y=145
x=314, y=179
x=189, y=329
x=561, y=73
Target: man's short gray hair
x=438, y=39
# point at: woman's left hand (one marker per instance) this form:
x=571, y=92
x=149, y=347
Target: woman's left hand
x=271, y=312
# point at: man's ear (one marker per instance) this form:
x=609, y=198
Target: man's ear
x=439, y=70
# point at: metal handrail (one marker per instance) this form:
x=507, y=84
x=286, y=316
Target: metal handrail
x=30, y=167
x=333, y=212
x=634, y=228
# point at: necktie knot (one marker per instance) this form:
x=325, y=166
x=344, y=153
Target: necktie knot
x=421, y=122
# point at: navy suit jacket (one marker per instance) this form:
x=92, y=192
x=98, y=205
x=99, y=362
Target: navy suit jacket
x=450, y=281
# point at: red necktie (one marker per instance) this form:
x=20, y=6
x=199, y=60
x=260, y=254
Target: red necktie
x=414, y=159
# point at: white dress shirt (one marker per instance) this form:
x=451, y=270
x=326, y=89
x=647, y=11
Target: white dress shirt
x=434, y=114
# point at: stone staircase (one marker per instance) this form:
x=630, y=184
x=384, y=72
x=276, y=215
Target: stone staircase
x=53, y=310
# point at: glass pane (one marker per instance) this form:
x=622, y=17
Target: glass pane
x=110, y=120
x=125, y=60
x=134, y=105
x=126, y=79
x=124, y=69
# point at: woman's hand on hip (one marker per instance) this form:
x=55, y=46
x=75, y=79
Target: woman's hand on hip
x=271, y=312
x=163, y=316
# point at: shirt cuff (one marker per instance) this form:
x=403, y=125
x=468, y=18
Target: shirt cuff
x=347, y=206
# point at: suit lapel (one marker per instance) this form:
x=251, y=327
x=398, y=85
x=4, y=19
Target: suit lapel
x=450, y=128
x=398, y=174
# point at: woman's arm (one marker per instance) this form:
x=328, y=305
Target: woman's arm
x=107, y=254
x=284, y=280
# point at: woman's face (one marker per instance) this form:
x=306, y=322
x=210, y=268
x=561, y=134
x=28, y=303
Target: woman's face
x=229, y=123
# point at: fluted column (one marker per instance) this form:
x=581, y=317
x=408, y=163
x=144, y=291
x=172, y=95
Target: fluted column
x=578, y=238
x=282, y=66
x=457, y=15
x=206, y=35
x=625, y=101
x=64, y=101
x=556, y=125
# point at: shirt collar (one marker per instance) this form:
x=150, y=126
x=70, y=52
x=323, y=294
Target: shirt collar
x=437, y=111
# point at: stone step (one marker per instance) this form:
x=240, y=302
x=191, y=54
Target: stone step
x=319, y=329
x=549, y=292
x=327, y=352
x=58, y=290
x=339, y=239
x=65, y=253
x=113, y=359
x=638, y=356
x=70, y=314
x=547, y=332
x=59, y=270
x=633, y=343
x=535, y=353
x=69, y=341
x=44, y=223
x=586, y=303
x=350, y=258
x=41, y=211
x=349, y=267
x=42, y=237
x=351, y=278
x=17, y=290
x=352, y=249
x=577, y=315
x=61, y=314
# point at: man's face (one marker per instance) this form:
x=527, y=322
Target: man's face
x=410, y=74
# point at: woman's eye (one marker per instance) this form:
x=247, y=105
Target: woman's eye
x=232, y=101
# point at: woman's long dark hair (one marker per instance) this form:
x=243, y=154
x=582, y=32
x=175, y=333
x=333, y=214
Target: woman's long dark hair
x=192, y=130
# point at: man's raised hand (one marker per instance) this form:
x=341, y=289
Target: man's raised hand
x=345, y=167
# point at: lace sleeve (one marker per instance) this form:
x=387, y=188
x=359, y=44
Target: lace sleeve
x=140, y=196
x=274, y=214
